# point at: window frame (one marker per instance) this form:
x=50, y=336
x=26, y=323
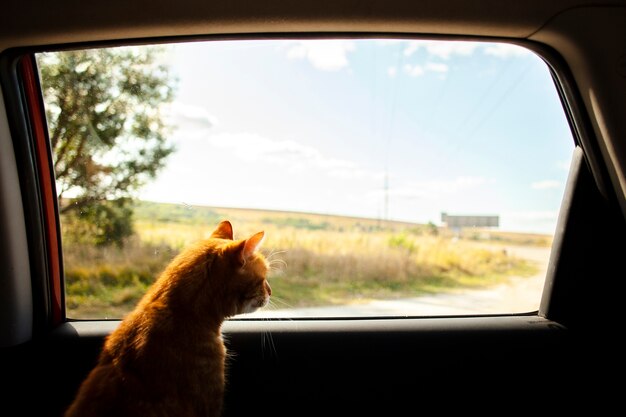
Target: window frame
x=43, y=227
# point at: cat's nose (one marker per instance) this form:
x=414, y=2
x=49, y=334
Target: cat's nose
x=268, y=288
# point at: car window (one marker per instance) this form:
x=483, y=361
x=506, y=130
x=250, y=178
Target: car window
x=392, y=177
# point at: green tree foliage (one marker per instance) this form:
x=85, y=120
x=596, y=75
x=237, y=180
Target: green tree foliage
x=107, y=132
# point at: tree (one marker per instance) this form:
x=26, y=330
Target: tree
x=107, y=132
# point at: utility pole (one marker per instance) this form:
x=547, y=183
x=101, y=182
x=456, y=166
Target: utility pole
x=386, y=213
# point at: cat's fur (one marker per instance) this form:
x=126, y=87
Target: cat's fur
x=167, y=357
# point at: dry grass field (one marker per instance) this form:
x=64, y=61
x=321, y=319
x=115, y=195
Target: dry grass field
x=316, y=259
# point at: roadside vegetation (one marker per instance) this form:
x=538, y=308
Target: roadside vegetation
x=316, y=260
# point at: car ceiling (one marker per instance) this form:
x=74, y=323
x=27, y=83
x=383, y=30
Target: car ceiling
x=41, y=22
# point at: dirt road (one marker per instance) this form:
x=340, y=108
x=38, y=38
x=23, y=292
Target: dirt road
x=518, y=295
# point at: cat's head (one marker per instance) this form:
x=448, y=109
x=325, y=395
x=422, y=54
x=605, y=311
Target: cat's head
x=217, y=277
x=244, y=269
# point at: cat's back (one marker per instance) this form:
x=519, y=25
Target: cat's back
x=142, y=374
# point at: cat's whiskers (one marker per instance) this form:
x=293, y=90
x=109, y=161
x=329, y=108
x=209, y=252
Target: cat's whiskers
x=276, y=264
x=268, y=339
x=276, y=300
x=274, y=253
x=263, y=343
x=272, y=344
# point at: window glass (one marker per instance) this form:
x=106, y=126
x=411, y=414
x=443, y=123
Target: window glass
x=392, y=177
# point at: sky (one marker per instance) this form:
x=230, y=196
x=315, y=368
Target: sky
x=379, y=128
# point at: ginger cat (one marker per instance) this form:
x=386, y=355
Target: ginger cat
x=167, y=357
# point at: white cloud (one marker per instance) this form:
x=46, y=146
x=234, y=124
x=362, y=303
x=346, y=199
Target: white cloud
x=418, y=70
x=436, y=188
x=392, y=71
x=325, y=55
x=442, y=49
x=545, y=185
x=194, y=114
x=454, y=185
x=448, y=49
x=436, y=67
x=292, y=155
x=505, y=50
x=414, y=70
x=412, y=47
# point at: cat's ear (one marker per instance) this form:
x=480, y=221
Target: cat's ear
x=224, y=230
x=249, y=246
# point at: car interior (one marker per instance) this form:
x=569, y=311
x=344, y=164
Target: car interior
x=562, y=357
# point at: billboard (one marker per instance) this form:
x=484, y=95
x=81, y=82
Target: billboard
x=461, y=221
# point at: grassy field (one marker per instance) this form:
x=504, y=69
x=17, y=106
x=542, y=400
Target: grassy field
x=316, y=259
